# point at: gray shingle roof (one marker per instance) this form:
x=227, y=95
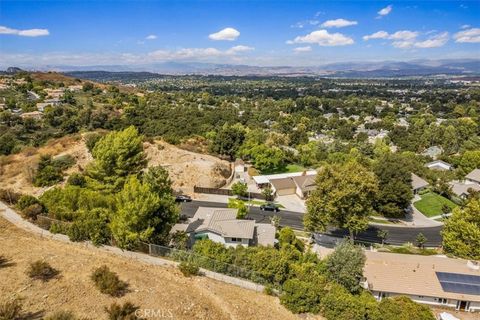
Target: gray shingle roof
x=474, y=175
x=418, y=182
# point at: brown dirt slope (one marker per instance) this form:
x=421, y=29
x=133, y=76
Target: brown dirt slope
x=150, y=286
x=186, y=168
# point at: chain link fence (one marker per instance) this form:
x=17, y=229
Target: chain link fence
x=155, y=250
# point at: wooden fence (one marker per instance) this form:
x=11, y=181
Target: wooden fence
x=226, y=192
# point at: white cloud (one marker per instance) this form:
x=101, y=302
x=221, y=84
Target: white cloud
x=302, y=49
x=405, y=39
x=198, y=53
x=338, y=23
x=468, y=36
x=434, y=42
x=376, y=35
x=24, y=33
x=385, y=11
x=238, y=49
x=465, y=26
x=151, y=37
x=403, y=44
x=228, y=34
x=323, y=38
x=403, y=35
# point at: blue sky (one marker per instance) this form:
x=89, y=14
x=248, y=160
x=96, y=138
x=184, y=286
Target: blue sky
x=37, y=33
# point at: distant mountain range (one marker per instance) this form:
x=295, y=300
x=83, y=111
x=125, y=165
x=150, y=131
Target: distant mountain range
x=449, y=67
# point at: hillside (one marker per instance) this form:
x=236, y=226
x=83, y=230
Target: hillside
x=186, y=168
x=150, y=286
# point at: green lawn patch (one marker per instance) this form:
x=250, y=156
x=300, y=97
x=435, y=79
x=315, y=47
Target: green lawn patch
x=258, y=202
x=431, y=204
x=287, y=169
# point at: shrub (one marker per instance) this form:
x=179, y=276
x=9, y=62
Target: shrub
x=41, y=270
x=4, y=262
x=122, y=312
x=31, y=212
x=9, y=196
x=63, y=162
x=10, y=310
x=188, y=268
x=26, y=201
x=61, y=315
x=77, y=179
x=240, y=189
x=402, y=307
x=91, y=140
x=49, y=172
x=108, y=282
x=302, y=296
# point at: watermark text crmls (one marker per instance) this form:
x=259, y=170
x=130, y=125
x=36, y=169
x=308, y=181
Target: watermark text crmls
x=154, y=313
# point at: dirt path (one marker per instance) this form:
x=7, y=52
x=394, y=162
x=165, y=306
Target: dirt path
x=155, y=287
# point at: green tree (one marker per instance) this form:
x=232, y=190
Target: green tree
x=47, y=173
x=268, y=193
x=302, y=295
x=461, y=233
x=267, y=159
x=469, y=160
x=137, y=217
x=240, y=189
x=228, y=140
x=286, y=236
x=394, y=180
x=420, y=240
x=345, y=265
x=403, y=308
x=116, y=155
x=7, y=143
x=343, y=197
x=240, y=205
x=159, y=181
x=382, y=234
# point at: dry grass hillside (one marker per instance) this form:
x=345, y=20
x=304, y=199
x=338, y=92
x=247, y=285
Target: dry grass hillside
x=150, y=286
x=186, y=168
x=16, y=170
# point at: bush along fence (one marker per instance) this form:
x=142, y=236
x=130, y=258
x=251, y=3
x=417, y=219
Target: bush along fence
x=225, y=192
x=57, y=226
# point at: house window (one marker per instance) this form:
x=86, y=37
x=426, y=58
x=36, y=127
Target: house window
x=236, y=239
x=442, y=300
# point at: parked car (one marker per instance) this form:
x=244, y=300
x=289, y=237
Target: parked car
x=183, y=198
x=269, y=207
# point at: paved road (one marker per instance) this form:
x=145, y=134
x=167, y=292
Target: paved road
x=396, y=235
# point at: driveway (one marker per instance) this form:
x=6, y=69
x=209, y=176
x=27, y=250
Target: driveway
x=292, y=202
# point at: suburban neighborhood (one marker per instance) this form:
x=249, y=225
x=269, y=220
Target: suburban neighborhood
x=234, y=160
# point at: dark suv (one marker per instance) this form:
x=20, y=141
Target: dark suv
x=269, y=207
x=183, y=198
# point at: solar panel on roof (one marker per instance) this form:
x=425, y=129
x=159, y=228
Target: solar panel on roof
x=459, y=283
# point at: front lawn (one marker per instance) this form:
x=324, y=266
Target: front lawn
x=431, y=204
x=289, y=168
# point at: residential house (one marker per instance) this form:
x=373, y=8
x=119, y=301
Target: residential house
x=33, y=115
x=299, y=183
x=473, y=176
x=439, y=165
x=433, y=152
x=221, y=225
x=431, y=280
x=462, y=189
x=418, y=184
